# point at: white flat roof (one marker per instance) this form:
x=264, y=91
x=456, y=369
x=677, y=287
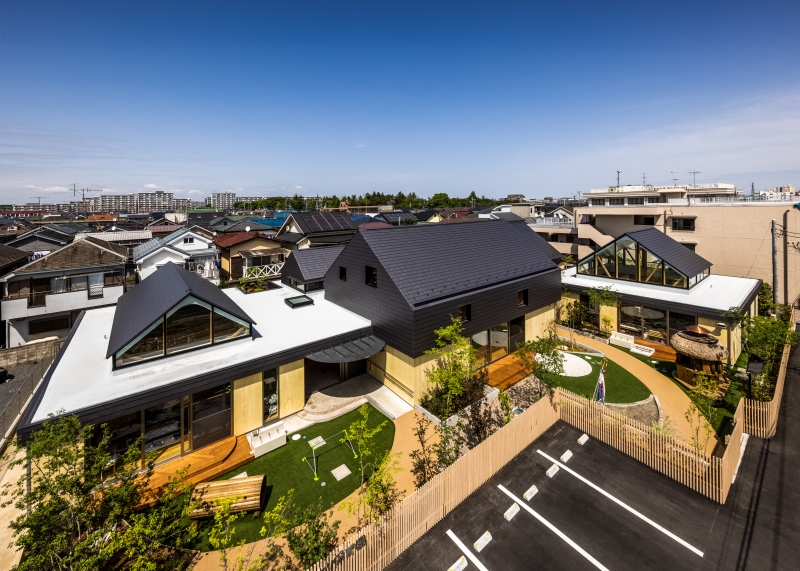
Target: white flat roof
x=716, y=292
x=84, y=377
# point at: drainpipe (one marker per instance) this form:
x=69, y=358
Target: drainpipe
x=785, y=258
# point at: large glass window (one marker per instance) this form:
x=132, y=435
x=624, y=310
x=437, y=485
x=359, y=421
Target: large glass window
x=270, y=394
x=188, y=325
x=673, y=277
x=587, y=267
x=162, y=430
x=147, y=345
x=58, y=285
x=226, y=326
x=626, y=259
x=480, y=342
x=499, y=341
x=630, y=319
x=606, y=262
x=680, y=321
x=124, y=431
x=654, y=324
x=211, y=415
x=652, y=268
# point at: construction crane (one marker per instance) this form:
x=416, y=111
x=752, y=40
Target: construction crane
x=83, y=192
x=39, y=198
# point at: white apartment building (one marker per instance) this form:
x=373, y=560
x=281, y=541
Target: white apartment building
x=222, y=200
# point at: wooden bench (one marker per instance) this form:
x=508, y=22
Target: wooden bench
x=250, y=493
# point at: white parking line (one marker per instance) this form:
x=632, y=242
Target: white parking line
x=466, y=551
x=626, y=506
x=554, y=529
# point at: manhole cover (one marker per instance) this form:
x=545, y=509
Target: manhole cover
x=340, y=472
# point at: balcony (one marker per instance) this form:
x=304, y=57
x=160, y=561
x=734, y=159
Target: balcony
x=43, y=302
x=206, y=268
x=265, y=271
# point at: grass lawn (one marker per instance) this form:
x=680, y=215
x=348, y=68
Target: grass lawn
x=724, y=408
x=285, y=470
x=621, y=386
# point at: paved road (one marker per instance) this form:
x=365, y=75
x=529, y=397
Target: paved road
x=604, y=510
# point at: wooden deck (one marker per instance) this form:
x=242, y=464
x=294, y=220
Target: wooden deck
x=203, y=465
x=663, y=352
x=505, y=372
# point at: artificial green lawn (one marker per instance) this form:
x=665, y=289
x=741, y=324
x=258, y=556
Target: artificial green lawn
x=285, y=470
x=621, y=386
x=725, y=408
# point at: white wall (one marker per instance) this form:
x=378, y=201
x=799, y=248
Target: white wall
x=59, y=303
x=200, y=242
x=18, y=334
x=151, y=264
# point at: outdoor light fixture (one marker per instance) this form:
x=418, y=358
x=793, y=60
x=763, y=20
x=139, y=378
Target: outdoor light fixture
x=722, y=325
x=753, y=368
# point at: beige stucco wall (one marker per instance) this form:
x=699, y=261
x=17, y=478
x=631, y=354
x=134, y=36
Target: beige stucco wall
x=734, y=238
x=612, y=312
x=247, y=404
x=732, y=340
x=291, y=387
x=404, y=375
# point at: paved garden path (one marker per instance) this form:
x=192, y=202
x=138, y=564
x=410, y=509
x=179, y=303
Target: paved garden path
x=672, y=399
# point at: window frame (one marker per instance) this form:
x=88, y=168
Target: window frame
x=343, y=273
x=522, y=298
x=465, y=312
x=371, y=276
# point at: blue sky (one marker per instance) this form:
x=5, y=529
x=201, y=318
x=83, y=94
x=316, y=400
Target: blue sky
x=270, y=98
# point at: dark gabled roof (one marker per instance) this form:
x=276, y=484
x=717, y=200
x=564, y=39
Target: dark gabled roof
x=82, y=253
x=310, y=265
x=310, y=222
x=429, y=262
x=671, y=251
x=425, y=215
x=140, y=307
x=349, y=351
x=156, y=244
x=507, y=216
x=329, y=239
x=546, y=247
x=291, y=237
x=241, y=227
x=9, y=255
x=226, y=241
x=395, y=218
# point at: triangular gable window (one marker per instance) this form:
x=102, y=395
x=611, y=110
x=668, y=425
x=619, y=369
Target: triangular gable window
x=190, y=324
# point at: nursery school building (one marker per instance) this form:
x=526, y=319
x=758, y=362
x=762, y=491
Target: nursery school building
x=187, y=365
x=662, y=288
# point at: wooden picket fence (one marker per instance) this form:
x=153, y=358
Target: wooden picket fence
x=761, y=418
x=376, y=546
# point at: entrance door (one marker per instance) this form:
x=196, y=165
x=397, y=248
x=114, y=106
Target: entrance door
x=498, y=346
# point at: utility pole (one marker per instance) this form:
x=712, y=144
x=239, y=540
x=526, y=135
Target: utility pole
x=774, y=264
x=674, y=179
x=752, y=189
x=694, y=178
x=644, y=179
x=618, y=178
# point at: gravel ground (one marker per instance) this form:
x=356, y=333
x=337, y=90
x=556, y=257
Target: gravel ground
x=10, y=388
x=645, y=413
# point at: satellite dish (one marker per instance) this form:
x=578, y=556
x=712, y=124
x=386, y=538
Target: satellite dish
x=214, y=233
x=113, y=228
x=247, y=228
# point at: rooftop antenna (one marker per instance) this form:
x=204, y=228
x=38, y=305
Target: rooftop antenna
x=675, y=179
x=83, y=192
x=752, y=189
x=618, y=178
x=694, y=178
x=40, y=200
x=644, y=179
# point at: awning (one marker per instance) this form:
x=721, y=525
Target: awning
x=350, y=351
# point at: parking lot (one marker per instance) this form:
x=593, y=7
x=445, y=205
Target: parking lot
x=599, y=510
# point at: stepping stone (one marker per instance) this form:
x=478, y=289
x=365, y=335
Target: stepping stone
x=317, y=442
x=340, y=472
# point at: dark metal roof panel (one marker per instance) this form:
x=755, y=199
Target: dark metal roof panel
x=671, y=251
x=430, y=262
x=349, y=351
x=140, y=307
x=310, y=265
x=311, y=222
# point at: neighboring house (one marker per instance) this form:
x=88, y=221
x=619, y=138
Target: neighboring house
x=249, y=254
x=160, y=231
x=309, y=229
x=43, y=240
x=44, y=297
x=127, y=238
x=499, y=215
x=219, y=223
x=187, y=247
x=427, y=216
x=243, y=226
x=203, y=218
x=305, y=269
x=11, y=258
x=396, y=218
x=369, y=224
x=663, y=287
x=185, y=364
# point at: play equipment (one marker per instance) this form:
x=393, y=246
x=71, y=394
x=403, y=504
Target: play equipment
x=319, y=442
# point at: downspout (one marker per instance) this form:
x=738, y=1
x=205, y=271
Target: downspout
x=786, y=258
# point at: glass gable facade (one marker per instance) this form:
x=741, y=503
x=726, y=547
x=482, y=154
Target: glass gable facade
x=625, y=259
x=190, y=324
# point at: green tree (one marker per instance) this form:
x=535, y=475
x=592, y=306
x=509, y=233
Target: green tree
x=456, y=361
x=423, y=459
x=481, y=421
x=505, y=405
x=542, y=359
x=314, y=536
x=701, y=412
x=363, y=438
x=440, y=200
x=380, y=492
x=450, y=445
x=765, y=305
x=74, y=519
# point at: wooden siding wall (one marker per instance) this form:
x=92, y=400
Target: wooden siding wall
x=411, y=330
x=404, y=375
x=537, y=321
x=247, y=404
x=291, y=387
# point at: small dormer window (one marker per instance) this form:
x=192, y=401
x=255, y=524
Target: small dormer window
x=371, y=276
x=188, y=240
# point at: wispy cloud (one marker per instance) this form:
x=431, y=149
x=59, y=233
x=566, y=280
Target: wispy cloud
x=151, y=185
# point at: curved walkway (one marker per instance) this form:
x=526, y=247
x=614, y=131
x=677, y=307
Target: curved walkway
x=674, y=402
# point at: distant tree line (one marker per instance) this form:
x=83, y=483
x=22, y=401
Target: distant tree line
x=399, y=200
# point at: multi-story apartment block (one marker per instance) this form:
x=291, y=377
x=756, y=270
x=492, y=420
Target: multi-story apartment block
x=154, y=201
x=222, y=200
